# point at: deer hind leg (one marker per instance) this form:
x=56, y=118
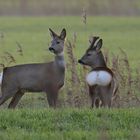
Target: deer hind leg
x=3, y=98
x=15, y=99
x=106, y=101
x=95, y=101
x=106, y=104
x=6, y=94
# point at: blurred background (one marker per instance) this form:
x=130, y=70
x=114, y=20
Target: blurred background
x=69, y=7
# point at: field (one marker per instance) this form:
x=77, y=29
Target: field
x=33, y=35
x=40, y=123
x=70, y=124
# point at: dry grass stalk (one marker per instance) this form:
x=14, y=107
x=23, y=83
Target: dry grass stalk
x=74, y=39
x=128, y=70
x=72, y=64
x=128, y=82
x=19, y=48
x=84, y=16
x=7, y=59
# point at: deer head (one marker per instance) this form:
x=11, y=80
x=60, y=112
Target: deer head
x=57, y=43
x=93, y=56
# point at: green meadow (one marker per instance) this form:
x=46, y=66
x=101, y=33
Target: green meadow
x=70, y=124
x=32, y=33
x=36, y=122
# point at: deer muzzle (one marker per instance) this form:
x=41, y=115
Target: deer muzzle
x=51, y=49
x=81, y=62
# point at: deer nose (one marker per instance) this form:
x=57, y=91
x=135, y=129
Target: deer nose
x=80, y=61
x=51, y=49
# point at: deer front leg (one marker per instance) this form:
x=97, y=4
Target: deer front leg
x=15, y=99
x=52, y=95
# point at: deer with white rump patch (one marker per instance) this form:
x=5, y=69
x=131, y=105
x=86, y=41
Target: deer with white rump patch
x=40, y=77
x=101, y=80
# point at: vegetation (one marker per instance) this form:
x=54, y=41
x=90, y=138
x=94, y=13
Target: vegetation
x=26, y=40
x=70, y=124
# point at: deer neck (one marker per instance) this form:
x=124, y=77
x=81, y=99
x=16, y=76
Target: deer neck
x=60, y=62
x=100, y=61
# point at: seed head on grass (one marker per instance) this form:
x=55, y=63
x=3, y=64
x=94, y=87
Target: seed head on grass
x=72, y=63
x=9, y=58
x=84, y=16
x=19, y=48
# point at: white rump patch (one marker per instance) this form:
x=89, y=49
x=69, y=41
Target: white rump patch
x=1, y=77
x=101, y=77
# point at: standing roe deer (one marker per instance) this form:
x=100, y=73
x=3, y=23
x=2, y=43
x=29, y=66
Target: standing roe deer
x=101, y=80
x=40, y=77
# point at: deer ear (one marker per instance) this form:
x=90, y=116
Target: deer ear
x=90, y=40
x=93, y=40
x=63, y=34
x=52, y=33
x=99, y=45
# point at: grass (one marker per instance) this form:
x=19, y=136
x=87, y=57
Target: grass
x=70, y=124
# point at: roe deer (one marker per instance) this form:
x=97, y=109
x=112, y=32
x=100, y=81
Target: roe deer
x=39, y=77
x=101, y=80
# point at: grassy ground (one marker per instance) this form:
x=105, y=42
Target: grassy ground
x=70, y=124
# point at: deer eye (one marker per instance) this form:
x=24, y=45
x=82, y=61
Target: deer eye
x=88, y=54
x=57, y=42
